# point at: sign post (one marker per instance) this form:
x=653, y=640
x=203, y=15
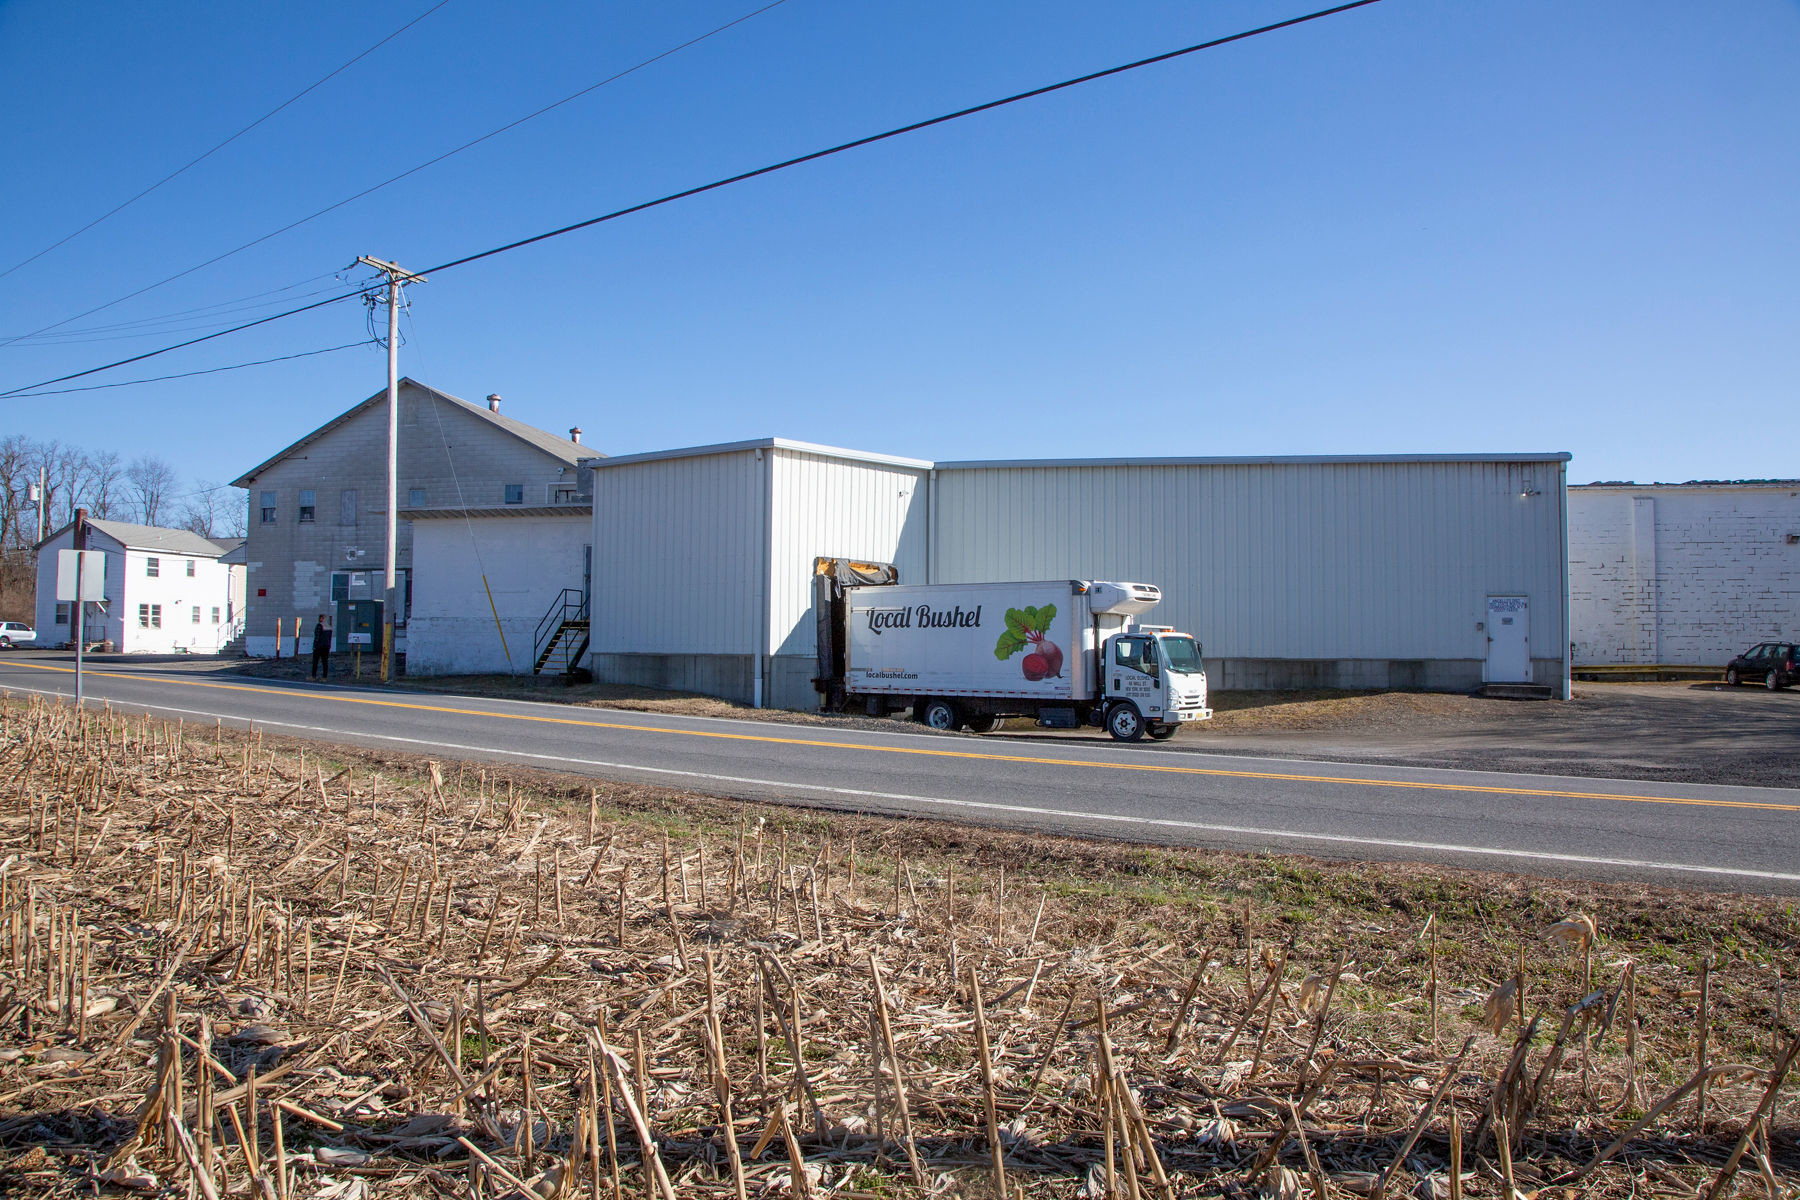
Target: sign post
x=80, y=578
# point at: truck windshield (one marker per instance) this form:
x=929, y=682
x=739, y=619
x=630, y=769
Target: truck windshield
x=1182, y=654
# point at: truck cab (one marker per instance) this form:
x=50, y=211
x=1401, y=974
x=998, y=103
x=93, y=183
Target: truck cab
x=1154, y=682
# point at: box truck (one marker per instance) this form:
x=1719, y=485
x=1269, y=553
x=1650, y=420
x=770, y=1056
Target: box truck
x=1063, y=653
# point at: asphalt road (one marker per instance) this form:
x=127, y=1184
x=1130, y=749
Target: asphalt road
x=1721, y=837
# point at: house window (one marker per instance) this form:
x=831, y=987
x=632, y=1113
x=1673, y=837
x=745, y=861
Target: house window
x=152, y=567
x=215, y=614
x=149, y=616
x=309, y=505
x=190, y=563
x=347, y=507
x=62, y=614
x=196, y=614
x=515, y=493
x=415, y=498
x=268, y=508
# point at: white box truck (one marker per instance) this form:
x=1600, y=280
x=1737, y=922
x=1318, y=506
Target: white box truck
x=1065, y=653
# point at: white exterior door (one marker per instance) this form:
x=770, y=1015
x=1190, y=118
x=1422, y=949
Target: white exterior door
x=1508, y=640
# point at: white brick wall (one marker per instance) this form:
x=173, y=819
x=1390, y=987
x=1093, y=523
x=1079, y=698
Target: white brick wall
x=1681, y=573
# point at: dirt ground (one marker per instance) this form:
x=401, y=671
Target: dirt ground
x=1679, y=732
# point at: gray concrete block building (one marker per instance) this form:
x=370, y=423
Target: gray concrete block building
x=317, y=509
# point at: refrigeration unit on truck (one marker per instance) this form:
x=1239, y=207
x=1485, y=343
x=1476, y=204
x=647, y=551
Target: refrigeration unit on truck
x=1064, y=653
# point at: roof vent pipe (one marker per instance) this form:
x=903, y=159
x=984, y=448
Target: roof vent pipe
x=494, y=402
x=575, y=435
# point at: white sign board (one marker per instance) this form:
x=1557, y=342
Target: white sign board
x=360, y=639
x=81, y=575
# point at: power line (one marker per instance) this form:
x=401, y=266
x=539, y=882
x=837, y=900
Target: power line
x=739, y=178
x=261, y=362
x=189, y=165
x=223, y=309
x=369, y=191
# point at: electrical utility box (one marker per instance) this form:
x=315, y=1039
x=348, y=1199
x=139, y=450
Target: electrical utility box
x=359, y=625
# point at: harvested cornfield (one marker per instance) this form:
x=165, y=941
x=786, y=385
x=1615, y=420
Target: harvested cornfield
x=231, y=968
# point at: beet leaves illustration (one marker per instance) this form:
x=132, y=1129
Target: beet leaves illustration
x=1025, y=630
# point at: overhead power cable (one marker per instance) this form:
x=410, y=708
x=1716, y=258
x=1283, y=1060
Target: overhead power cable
x=194, y=162
x=740, y=178
x=261, y=362
x=393, y=179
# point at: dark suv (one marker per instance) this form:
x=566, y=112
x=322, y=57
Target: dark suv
x=1772, y=664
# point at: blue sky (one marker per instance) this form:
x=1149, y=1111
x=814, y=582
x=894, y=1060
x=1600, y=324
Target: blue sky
x=1504, y=225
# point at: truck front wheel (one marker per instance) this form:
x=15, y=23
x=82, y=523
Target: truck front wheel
x=1162, y=733
x=940, y=714
x=1125, y=723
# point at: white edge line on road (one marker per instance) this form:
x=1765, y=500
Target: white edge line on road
x=1334, y=839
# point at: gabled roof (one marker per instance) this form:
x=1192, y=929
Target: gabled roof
x=556, y=447
x=155, y=537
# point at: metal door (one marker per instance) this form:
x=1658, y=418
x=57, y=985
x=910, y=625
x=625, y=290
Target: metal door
x=1508, y=640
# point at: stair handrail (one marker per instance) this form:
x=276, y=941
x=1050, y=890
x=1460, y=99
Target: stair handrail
x=553, y=621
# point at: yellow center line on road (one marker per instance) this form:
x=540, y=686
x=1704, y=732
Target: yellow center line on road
x=925, y=751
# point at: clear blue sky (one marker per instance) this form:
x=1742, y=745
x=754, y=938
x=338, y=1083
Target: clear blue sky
x=1422, y=226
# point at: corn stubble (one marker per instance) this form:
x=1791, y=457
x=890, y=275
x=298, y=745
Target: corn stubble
x=229, y=970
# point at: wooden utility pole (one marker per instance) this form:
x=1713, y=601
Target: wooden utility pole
x=396, y=275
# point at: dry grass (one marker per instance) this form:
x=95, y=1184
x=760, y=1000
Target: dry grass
x=400, y=979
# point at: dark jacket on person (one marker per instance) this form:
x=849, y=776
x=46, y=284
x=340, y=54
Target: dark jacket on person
x=321, y=638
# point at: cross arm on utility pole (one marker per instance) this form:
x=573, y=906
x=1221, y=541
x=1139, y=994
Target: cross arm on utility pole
x=394, y=271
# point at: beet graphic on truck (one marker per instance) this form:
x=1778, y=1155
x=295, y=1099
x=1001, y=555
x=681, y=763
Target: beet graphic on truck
x=1025, y=629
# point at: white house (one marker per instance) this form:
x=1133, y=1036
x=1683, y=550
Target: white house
x=167, y=591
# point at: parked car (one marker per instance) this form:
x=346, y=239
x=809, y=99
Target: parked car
x=1772, y=664
x=15, y=633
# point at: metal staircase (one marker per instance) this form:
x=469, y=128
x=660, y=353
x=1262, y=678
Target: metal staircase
x=562, y=636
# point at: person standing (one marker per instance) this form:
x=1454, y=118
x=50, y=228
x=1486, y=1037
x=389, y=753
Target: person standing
x=321, y=662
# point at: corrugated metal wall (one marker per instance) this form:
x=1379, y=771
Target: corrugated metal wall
x=678, y=555
x=1292, y=561
x=841, y=508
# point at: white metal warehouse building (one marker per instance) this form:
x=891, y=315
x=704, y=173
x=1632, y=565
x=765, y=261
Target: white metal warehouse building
x=1421, y=571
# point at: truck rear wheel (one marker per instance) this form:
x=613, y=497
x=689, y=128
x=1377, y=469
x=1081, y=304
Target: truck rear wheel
x=940, y=714
x=985, y=723
x=1125, y=723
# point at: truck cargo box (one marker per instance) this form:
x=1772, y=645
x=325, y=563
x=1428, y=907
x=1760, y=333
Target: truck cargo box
x=1027, y=640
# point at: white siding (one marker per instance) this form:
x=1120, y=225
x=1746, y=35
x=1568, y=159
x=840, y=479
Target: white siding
x=1682, y=574
x=679, y=552
x=843, y=509
x=1345, y=560
x=527, y=561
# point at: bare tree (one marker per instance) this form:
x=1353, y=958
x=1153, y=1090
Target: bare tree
x=16, y=478
x=105, y=484
x=216, y=510
x=150, y=481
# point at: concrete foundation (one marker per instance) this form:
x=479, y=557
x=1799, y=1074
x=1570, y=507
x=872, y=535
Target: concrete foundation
x=787, y=679
x=1403, y=674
